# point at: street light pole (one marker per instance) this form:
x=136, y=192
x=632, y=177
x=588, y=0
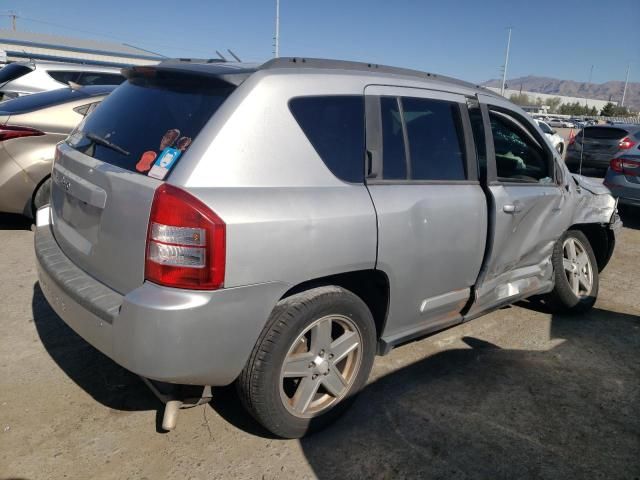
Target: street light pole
x=276, y=44
x=506, y=64
x=624, y=90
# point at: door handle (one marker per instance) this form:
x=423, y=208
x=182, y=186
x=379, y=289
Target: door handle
x=512, y=208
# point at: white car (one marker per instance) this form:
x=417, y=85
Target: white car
x=556, y=140
x=24, y=78
x=557, y=122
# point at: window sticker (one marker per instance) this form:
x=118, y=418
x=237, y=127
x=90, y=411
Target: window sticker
x=164, y=163
x=169, y=138
x=146, y=159
x=183, y=143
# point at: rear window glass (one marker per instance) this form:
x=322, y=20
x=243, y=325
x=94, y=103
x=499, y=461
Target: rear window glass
x=13, y=71
x=335, y=127
x=146, y=120
x=604, y=133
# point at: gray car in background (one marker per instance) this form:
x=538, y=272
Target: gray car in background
x=623, y=177
x=277, y=226
x=30, y=127
x=594, y=147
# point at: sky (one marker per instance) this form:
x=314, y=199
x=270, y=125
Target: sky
x=464, y=39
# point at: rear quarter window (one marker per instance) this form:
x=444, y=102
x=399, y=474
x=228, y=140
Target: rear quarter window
x=335, y=127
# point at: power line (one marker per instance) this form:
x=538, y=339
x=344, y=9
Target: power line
x=107, y=35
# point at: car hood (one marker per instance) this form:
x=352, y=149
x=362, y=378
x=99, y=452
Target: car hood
x=593, y=186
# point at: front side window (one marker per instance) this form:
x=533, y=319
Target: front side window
x=97, y=78
x=434, y=132
x=518, y=157
x=334, y=125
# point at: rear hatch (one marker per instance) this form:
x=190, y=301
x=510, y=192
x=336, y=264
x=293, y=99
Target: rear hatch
x=603, y=141
x=106, y=172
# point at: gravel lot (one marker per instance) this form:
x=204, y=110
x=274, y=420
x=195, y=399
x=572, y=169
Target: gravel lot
x=519, y=393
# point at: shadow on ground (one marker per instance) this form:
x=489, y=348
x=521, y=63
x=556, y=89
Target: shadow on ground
x=486, y=412
x=99, y=376
x=10, y=221
x=630, y=217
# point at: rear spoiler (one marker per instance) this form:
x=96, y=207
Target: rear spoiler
x=224, y=73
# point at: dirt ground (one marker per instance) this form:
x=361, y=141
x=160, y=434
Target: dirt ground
x=519, y=393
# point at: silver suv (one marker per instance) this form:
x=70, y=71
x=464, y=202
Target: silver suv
x=277, y=226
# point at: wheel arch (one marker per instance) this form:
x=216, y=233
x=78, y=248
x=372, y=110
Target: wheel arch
x=602, y=241
x=371, y=286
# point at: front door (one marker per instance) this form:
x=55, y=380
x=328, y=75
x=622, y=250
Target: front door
x=526, y=203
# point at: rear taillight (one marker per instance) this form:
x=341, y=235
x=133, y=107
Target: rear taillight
x=185, y=242
x=626, y=166
x=626, y=143
x=8, y=132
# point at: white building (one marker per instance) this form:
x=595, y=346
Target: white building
x=23, y=46
x=534, y=96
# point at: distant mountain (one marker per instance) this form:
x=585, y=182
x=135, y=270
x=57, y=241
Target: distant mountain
x=601, y=91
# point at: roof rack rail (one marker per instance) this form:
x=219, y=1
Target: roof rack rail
x=192, y=60
x=321, y=63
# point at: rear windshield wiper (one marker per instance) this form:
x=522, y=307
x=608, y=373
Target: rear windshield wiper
x=105, y=143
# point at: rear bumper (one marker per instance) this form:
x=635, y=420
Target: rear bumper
x=626, y=192
x=165, y=334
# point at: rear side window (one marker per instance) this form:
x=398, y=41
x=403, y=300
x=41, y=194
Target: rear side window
x=97, y=78
x=434, y=131
x=604, y=133
x=335, y=127
x=64, y=76
x=148, y=119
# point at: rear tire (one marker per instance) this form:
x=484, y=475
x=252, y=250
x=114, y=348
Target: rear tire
x=41, y=197
x=575, y=271
x=291, y=384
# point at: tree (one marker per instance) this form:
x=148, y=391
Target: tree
x=553, y=103
x=520, y=99
x=608, y=110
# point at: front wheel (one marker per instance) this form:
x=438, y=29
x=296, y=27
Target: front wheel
x=576, y=274
x=313, y=356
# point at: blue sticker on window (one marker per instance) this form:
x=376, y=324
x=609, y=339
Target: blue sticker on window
x=165, y=161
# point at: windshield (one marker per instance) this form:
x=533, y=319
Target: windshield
x=147, y=121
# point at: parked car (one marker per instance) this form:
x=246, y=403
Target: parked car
x=30, y=127
x=556, y=122
x=594, y=147
x=24, y=78
x=578, y=123
x=556, y=140
x=277, y=226
x=623, y=176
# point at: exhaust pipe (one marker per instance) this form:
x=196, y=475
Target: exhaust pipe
x=170, y=417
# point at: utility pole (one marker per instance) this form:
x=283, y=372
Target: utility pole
x=13, y=22
x=276, y=38
x=586, y=104
x=624, y=90
x=506, y=64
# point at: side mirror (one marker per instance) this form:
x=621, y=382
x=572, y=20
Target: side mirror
x=553, y=132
